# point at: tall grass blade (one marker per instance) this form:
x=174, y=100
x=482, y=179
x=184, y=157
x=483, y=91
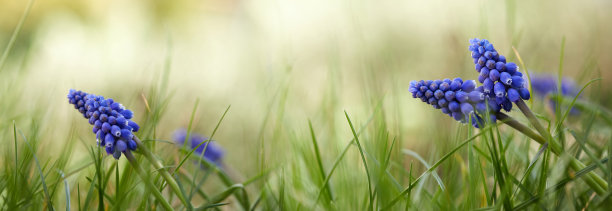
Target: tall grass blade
x=363, y=159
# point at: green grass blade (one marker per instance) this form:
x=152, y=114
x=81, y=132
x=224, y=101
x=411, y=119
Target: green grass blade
x=363, y=159
x=188, y=135
x=434, y=174
x=328, y=190
x=569, y=108
x=11, y=42
x=42, y=176
x=66, y=189
x=434, y=166
x=211, y=136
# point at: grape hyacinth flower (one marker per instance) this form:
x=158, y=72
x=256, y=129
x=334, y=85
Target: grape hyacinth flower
x=111, y=121
x=502, y=82
x=545, y=84
x=459, y=99
x=214, y=152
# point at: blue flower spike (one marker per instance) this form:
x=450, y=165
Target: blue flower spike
x=214, y=153
x=111, y=121
x=459, y=99
x=501, y=80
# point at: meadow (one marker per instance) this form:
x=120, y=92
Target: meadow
x=309, y=105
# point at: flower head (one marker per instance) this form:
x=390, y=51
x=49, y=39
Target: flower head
x=502, y=81
x=214, y=153
x=111, y=122
x=545, y=84
x=457, y=98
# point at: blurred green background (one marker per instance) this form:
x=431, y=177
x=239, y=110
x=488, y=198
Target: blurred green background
x=278, y=64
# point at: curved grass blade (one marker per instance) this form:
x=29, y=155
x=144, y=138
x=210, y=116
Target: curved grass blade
x=340, y=157
x=42, y=176
x=418, y=157
x=363, y=159
x=66, y=188
x=329, y=193
x=569, y=108
x=559, y=185
x=11, y=42
x=434, y=166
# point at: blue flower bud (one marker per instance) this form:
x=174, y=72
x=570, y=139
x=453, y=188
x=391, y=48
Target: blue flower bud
x=500, y=66
x=106, y=127
x=439, y=94
x=117, y=154
x=445, y=110
x=488, y=85
x=481, y=78
x=461, y=96
x=133, y=125
x=453, y=106
x=490, y=64
x=467, y=108
x=127, y=114
x=444, y=86
x=443, y=103
x=428, y=94
x=524, y=93
x=484, y=72
x=481, y=107
x=126, y=134
x=468, y=86
x=455, y=85
x=513, y=95
x=423, y=89
x=115, y=106
x=109, y=139
x=103, y=117
x=432, y=101
x=494, y=75
x=511, y=67
x=132, y=144
x=116, y=131
x=457, y=116
x=517, y=82
x=505, y=78
x=121, y=121
x=476, y=96
x=449, y=96
x=121, y=146
x=110, y=150
x=499, y=89
x=507, y=105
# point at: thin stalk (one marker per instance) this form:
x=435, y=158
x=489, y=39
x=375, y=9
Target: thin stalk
x=130, y=157
x=598, y=184
x=164, y=173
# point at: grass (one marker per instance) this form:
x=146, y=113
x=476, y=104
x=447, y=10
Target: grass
x=388, y=154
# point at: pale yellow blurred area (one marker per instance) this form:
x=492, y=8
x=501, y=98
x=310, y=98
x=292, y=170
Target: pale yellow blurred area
x=324, y=56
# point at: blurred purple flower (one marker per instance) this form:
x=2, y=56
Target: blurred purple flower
x=545, y=84
x=214, y=152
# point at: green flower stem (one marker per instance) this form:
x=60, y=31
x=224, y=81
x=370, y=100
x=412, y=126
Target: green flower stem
x=130, y=157
x=598, y=184
x=164, y=173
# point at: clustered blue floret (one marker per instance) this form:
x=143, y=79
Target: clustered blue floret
x=214, y=152
x=457, y=98
x=112, y=122
x=502, y=82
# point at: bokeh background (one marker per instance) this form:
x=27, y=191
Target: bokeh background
x=278, y=64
